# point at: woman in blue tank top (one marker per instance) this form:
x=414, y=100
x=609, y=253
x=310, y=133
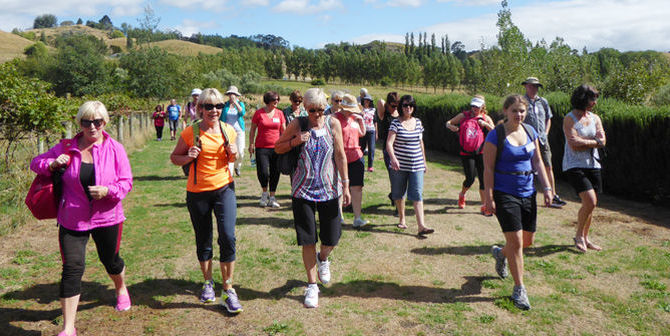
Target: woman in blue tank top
x=509, y=190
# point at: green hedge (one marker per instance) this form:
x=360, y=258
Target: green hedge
x=637, y=164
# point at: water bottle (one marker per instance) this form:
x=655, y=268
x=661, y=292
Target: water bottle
x=253, y=160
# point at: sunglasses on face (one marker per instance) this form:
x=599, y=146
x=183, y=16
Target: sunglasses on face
x=407, y=105
x=209, y=107
x=87, y=123
x=274, y=99
x=298, y=101
x=393, y=105
x=313, y=110
x=337, y=100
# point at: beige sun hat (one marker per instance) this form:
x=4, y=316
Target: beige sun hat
x=532, y=80
x=233, y=89
x=350, y=104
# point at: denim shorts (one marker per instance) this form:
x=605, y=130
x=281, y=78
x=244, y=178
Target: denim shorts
x=407, y=182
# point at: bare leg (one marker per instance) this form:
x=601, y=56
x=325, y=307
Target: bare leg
x=324, y=251
x=400, y=205
x=356, y=200
x=309, y=260
x=418, y=210
x=513, y=251
x=585, y=215
x=227, y=270
x=119, y=283
x=481, y=196
x=206, y=268
x=69, y=308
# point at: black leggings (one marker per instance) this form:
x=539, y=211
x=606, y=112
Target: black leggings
x=159, y=132
x=472, y=165
x=266, y=168
x=73, y=253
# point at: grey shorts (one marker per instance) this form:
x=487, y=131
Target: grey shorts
x=545, y=151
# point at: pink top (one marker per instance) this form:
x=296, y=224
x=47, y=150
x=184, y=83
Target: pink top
x=350, y=135
x=159, y=118
x=269, y=128
x=112, y=170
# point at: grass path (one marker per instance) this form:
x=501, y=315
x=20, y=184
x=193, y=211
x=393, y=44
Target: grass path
x=385, y=281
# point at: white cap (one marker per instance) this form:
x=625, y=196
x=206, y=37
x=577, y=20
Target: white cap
x=196, y=92
x=477, y=102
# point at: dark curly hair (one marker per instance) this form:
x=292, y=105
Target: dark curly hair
x=582, y=95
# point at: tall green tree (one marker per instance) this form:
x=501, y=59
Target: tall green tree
x=45, y=21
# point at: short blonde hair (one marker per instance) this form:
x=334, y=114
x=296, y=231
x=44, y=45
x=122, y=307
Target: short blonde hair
x=337, y=94
x=210, y=96
x=92, y=109
x=314, y=97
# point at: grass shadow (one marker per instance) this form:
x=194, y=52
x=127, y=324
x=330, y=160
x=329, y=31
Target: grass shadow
x=471, y=250
x=158, y=178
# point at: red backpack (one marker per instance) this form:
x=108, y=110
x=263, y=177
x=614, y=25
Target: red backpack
x=470, y=135
x=45, y=192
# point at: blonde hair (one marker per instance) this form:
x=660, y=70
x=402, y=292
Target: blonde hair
x=483, y=108
x=92, y=109
x=314, y=97
x=210, y=96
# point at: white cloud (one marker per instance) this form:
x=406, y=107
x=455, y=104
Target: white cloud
x=251, y=3
x=189, y=27
x=306, y=6
x=404, y=3
x=473, y=2
x=197, y=4
x=620, y=24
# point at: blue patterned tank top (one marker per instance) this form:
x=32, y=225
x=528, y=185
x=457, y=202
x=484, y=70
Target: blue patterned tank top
x=315, y=177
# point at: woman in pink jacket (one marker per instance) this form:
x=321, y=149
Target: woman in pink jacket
x=96, y=176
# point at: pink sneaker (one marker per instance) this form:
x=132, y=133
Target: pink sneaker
x=62, y=333
x=122, y=303
x=371, y=169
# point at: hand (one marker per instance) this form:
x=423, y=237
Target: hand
x=490, y=206
x=61, y=161
x=548, y=197
x=251, y=149
x=304, y=137
x=98, y=192
x=193, y=152
x=346, y=196
x=395, y=165
x=231, y=150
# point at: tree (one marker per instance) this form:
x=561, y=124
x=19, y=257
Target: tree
x=148, y=24
x=105, y=23
x=146, y=66
x=45, y=21
x=79, y=21
x=79, y=67
x=66, y=23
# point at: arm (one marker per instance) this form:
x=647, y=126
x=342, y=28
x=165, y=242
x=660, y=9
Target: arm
x=252, y=137
x=486, y=123
x=395, y=165
x=573, y=139
x=423, y=152
x=600, y=132
x=47, y=162
x=361, y=124
x=539, y=167
x=290, y=138
x=381, y=109
x=489, y=155
x=183, y=154
x=124, y=178
x=282, y=122
x=455, y=120
x=547, y=127
x=341, y=160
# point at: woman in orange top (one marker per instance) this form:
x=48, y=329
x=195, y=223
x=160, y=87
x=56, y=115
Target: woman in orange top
x=210, y=187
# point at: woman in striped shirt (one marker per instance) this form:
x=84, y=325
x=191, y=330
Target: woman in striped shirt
x=408, y=162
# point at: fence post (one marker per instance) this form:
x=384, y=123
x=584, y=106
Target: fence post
x=130, y=125
x=119, y=129
x=40, y=144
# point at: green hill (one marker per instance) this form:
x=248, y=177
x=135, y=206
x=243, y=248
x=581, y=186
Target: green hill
x=12, y=46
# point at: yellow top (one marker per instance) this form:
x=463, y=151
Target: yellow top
x=212, y=163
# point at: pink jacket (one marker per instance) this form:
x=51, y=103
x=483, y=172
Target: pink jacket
x=112, y=170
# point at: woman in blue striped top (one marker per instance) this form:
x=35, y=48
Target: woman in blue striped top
x=408, y=162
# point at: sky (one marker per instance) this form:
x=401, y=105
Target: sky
x=626, y=25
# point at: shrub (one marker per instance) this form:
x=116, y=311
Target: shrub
x=318, y=82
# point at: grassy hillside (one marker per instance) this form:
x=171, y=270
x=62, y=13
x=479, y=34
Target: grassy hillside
x=12, y=46
x=185, y=48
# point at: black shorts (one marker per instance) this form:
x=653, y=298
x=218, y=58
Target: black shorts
x=304, y=218
x=356, y=170
x=516, y=213
x=583, y=179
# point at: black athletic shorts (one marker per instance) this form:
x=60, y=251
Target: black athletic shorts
x=304, y=218
x=583, y=179
x=356, y=170
x=516, y=213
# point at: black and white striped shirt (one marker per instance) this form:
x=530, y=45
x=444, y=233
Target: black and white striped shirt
x=407, y=146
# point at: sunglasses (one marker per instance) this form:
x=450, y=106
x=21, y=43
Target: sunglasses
x=337, y=100
x=209, y=107
x=315, y=110
x=393, y=105
x=87, y=123
x=298, y=101
x=407, y=105
x=274, y=99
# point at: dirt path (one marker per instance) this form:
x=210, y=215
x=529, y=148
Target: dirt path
x=385, y=280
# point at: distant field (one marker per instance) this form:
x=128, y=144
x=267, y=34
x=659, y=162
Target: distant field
x=12, y=46
x=185, y=48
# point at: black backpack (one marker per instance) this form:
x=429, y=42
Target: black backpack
x=289, y=160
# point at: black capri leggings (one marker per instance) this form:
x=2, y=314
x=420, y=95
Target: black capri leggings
x=73, y=253
x=473, y=165
x=266, y=168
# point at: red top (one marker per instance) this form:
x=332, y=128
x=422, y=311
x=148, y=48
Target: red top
x=350, y=135
x=269, y=128
x=159, y=118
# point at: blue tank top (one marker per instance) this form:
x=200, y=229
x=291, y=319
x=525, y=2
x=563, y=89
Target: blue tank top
x=514, y=159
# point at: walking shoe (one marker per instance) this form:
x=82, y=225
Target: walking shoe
x=122, y=302
x=484, y=212
x=208, y=295
x=63, y=333
x=557, y=202
x=461, y=200
x=324, y=269
x=264, y=199
x=312, y=296
x=359, y=222
x=237, y=171
x=230, y=301
x=501, y=261
x=520, y=298
x=371, y=169
x=272, y=202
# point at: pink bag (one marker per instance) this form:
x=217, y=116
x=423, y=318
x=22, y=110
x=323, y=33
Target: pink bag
x=44, y=195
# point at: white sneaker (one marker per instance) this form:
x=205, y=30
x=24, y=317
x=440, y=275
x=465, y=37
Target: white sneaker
x=272, y=202
x=312, y=296
x=264, y=199
x=324, y=269
x=359, y=222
